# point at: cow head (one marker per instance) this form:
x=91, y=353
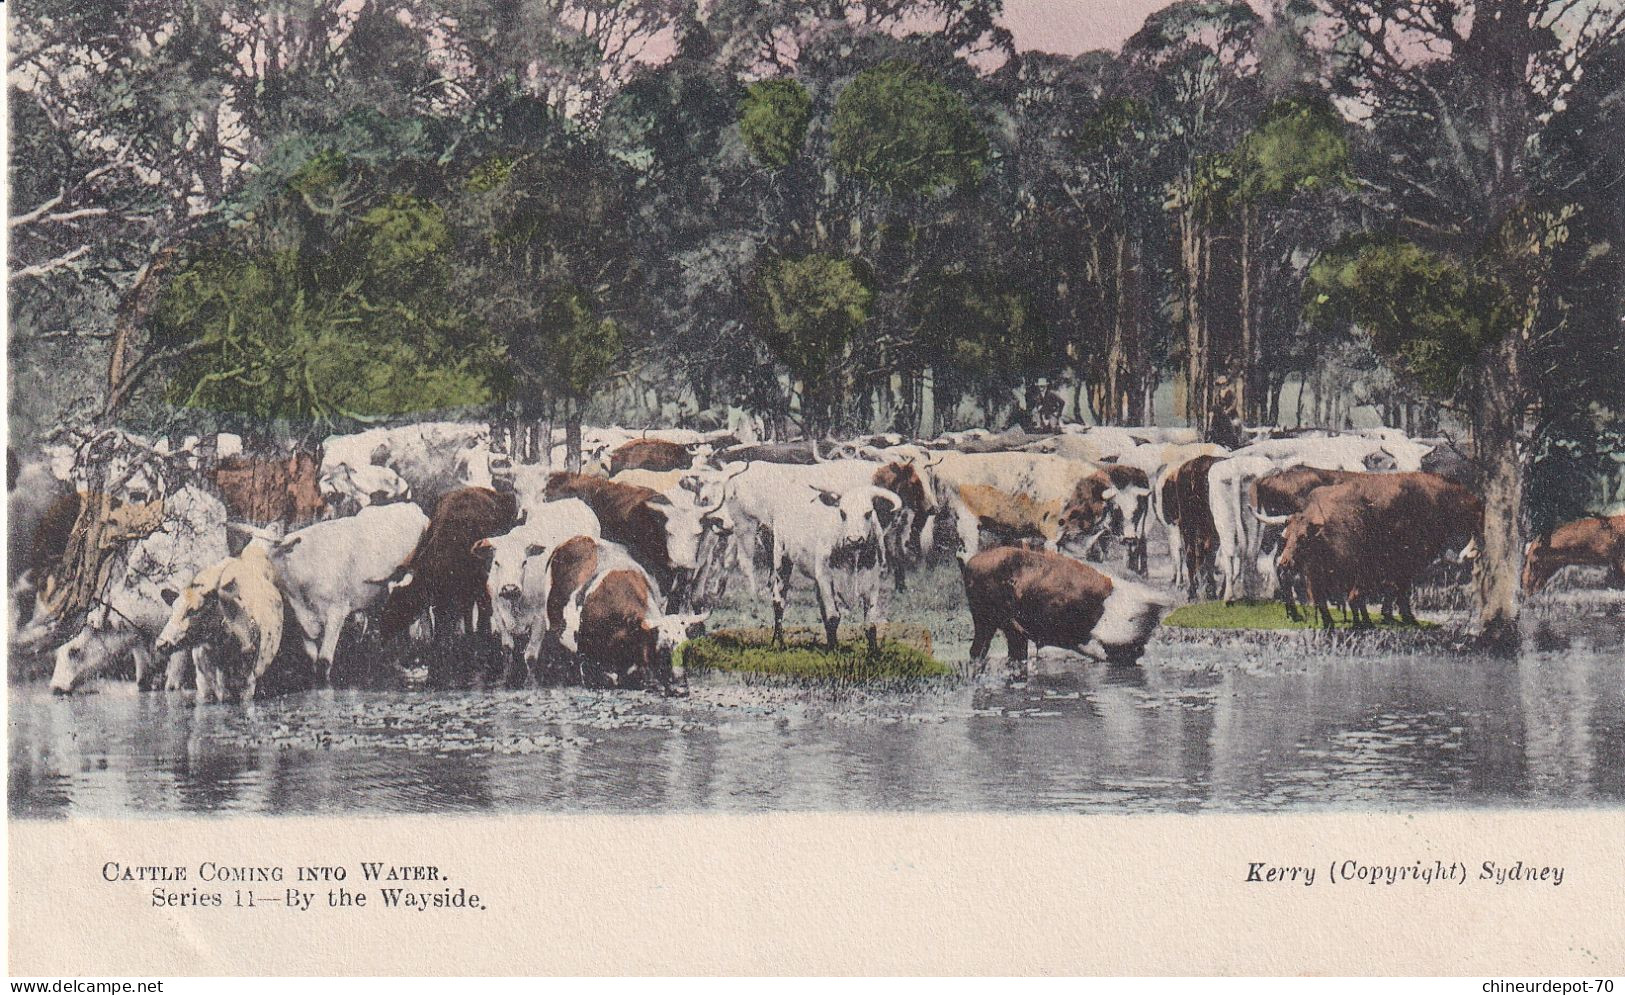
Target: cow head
x=856, y=512
x=690, y=522
x=1087, y=514
x=93, y=649
x=194, y=610
x=670, y=632
x=1380, y=460
x=920, y=507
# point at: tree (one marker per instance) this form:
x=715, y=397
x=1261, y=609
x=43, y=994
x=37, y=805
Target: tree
x=773, y=120
x=328, y=310
x=548, y=274
x=1471, y=90
x=1199, y=55
x=811, y=309
x=899, y=131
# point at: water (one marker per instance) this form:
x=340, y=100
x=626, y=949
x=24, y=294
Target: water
x=1195, y=728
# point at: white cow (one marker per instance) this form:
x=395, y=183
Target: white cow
x=1094, y=446
x=434, y=458
x=516, y=578
x=331, y=570
x=347, y=489
x=1341, y=453
x=131, y=611
x=1229, y=486
x=832, y=537
x=235, y=609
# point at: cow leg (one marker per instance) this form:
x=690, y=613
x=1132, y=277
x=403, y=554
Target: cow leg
x=1176, y=551
x=825, y=586
x=180, y=663
x=1358, y=617
x=780, y=581
x=1015, y=642
x=1316, y=596
x=142, y=655
x=332, y=629
x=1193, y=572
x=1405, y=613
x=981, y=640
x=1388, y=608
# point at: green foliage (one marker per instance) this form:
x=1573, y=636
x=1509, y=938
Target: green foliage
x=902, y=131
x=1297, y=146
x=578, y=347
x=1425, y=312
x=329, y=299
x=986, y=328
x=806, y=657
x=265, y=343
x=1263, y=615
x=1113, y=123
x=773, y=120
x=812, y=307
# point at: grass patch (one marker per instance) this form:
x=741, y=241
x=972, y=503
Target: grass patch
x=804, y=655
x=1266, y=615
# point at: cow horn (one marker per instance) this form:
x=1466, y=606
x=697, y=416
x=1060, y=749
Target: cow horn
x=1269, y=519
x=816, y=455
x=887, y=496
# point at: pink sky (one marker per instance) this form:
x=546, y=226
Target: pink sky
x=1068, y=27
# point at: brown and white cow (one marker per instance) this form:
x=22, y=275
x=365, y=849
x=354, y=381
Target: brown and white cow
x=1051, y=599
x=1587, y=542
x=1017, y=495
x=1193, y=536
x=605, y=611
x=446, y=572
x=1113, y=498
x=662, y=535
x=1372, y=535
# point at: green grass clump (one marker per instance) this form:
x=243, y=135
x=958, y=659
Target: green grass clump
x=1268, y=615
x=804, y=656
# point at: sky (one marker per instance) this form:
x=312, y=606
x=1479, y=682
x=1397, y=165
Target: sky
x=1068, y=27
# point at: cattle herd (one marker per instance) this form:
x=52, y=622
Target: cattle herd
x=217, y=567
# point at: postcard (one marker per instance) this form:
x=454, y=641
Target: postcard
x=846, y=487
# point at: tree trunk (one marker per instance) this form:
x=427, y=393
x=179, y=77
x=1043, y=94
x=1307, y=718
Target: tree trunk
x=1190, y=258
x=1246, y=395
x=572, y=437
x=1500, y=442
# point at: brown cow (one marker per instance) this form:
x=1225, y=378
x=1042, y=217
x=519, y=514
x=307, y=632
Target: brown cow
x=445, y=572
x=650, y=454
x=605, y=609
x=1185, y=502
x=919, y=507
x=267, y=490
x=1053, y=600
x=1374, y=534
x=1587, y=542
x=1285, y=492
x=663, y=536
